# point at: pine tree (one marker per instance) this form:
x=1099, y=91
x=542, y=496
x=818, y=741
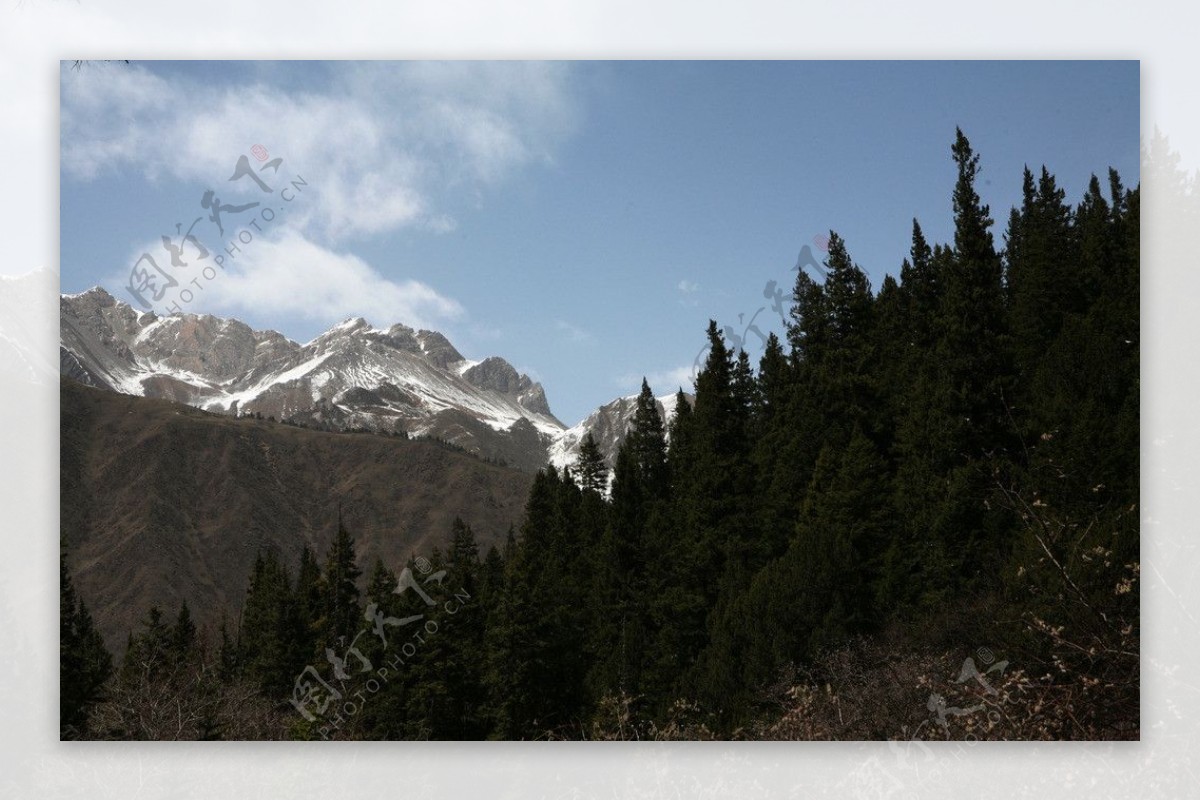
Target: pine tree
x=592, y=471
x=183, y=636
x=841, y=372
x=892, y=352
x=619, y=582
x=460, y=665
x=821, y=590
x=147, y=652
x=922, y=285
x=956, y=428
x=648, y=444
x=228, y=659
x=713, y=506
x=341, y=612
x=84, y=663
x=492, y=573
x=972, y=348
x=1043, y=278
x=536, y=636
x=777, y=490
x=308, y=602
x=265, y=636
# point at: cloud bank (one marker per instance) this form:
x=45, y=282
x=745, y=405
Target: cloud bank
x=385, y=146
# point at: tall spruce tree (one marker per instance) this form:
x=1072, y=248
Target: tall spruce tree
x=268, y=627
x=592, y=471
x=84, y=663
x=972, y=347
x=341, y=612
x=1043, y=276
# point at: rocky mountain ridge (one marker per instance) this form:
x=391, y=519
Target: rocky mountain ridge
x=353, y=376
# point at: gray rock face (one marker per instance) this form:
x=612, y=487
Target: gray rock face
x=534, y=399
x=351, y=376
x=495, y=374
x=70, y=367
x=438, y=350
x=95, y=319
x=608, y=425
x=217, y=349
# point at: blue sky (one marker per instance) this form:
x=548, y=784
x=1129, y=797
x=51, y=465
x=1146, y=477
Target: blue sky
x=584, y=220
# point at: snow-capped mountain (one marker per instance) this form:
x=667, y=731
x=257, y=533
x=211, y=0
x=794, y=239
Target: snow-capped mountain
x=608, y=425
x=351, y=376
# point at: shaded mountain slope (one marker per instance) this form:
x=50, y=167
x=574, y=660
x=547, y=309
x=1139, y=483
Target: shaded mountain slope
x=162, y=502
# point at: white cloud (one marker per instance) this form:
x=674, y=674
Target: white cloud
x=385, y=145
x=661, y=382
x=573, y=333
x=688, y=290
x=531, y=372
x=293, y=276
x=487, y=333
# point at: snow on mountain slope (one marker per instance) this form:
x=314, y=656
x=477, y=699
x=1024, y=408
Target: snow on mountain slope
x=609, y=425
x=351, y=376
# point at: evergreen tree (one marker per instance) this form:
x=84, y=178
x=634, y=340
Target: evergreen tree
x=84, y=663
x=972, y=347
x=183, y=636
x=648, y=444
x=341, y=612
x=459, y=665
x=1043, y=277
x=619, y=590
x=492, y=573
x=536, y=636
x=228, y=659
x=821, y=590
x=777, y=497
x=592, y=471
x=308, y=603
x=265, y=637
x=147, y=653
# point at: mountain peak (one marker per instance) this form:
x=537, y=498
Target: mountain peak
x=96, y=293
x=609, y=425
x=350, y=324
x=437, y=349
x=498, y=375
x=352, y=376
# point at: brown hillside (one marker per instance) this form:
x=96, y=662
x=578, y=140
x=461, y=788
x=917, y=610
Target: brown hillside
x=163, y=503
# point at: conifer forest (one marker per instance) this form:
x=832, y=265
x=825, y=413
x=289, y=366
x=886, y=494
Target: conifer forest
x=916, y=516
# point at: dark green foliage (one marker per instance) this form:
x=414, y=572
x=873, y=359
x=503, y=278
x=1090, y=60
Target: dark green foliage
x=271, y=637
x=964, y=440
x=593, y=472
x=84, y=663
x=183, y=636
x=341, y=613
x=537, y=630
